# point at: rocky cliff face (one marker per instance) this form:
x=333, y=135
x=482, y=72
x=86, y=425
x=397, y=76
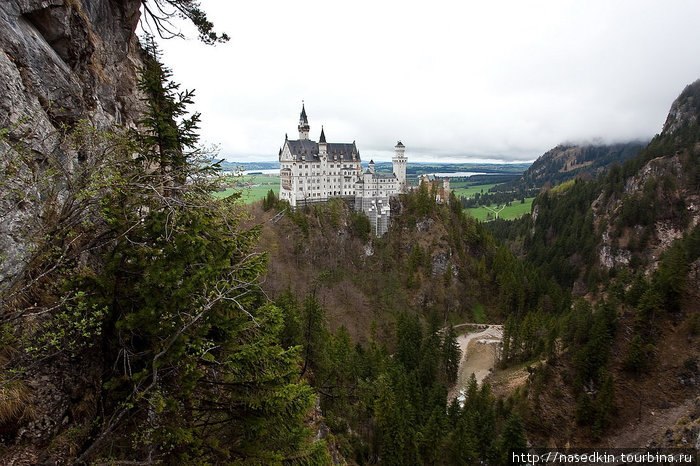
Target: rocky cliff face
x=684, y=110
x=61, y=61
x=668, y=186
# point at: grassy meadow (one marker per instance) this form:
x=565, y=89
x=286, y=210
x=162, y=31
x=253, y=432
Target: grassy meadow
x=468, y=189
x=252, y=187
x=465, y=189
x=515, y=210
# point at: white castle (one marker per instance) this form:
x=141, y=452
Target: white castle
x=313, y=171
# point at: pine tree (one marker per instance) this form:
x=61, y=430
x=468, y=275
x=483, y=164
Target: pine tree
x=604, y=405
x=432, y=437
x=315, y=337
x=408, y=338
x=393, y=412
x=168, y=136
x=512, y=439
x=429, y=365
x=485, y=423
x=451, y=355
x=462, y=443
x=196, y=373
x=269, y=201
x=292, y=331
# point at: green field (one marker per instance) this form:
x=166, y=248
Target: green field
x=463, y=190
x=515, y=210
x=252, y=188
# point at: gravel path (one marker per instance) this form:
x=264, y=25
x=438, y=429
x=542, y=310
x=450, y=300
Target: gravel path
x=479, y=352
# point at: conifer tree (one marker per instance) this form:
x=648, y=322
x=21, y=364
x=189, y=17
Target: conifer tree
x=604, y=405
x=315, y=336
x=432, y=437
x=195, y=370
x=513, y=439
x=408, y=338
x=462, y=444
x=168, y=136
x=291, y=334
x=451, y=355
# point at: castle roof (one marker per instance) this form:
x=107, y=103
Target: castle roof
x=400, y=144
x=302, y=117
x=323, y=136
x=309, y=149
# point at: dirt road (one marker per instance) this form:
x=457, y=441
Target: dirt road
x=479, y=353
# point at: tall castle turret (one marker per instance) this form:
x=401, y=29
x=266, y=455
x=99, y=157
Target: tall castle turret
x=322, y=146
x=399, y=164
x=303, y=123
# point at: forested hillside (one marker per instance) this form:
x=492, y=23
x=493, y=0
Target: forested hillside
x=557, y=168
x=570, y=161
x=434, y=261
x=133, y=328
x=626, y=246
x=601, y=308
x=373, y=318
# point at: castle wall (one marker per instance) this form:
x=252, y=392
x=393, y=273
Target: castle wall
x=328, y=173
x=317, y=181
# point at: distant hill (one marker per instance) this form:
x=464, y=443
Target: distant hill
x=247, y=166
x=568, y=161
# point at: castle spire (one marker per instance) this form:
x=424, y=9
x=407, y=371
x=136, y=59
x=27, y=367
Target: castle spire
x=302, y=116
x=303, y=123
x=322, y=146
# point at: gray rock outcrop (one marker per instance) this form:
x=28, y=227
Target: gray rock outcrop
x=61, y=61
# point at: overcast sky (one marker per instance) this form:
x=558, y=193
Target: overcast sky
x=498, y=80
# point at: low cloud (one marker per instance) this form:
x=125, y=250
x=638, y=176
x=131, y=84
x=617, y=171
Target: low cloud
x=502, y=81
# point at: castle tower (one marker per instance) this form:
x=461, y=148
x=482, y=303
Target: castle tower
x=303, y=123
x=399, y=164
x=322, y=146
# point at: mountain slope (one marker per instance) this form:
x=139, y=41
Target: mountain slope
x=373, y=315
x=570, y=161
x=628, y=246
x=434, y=261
